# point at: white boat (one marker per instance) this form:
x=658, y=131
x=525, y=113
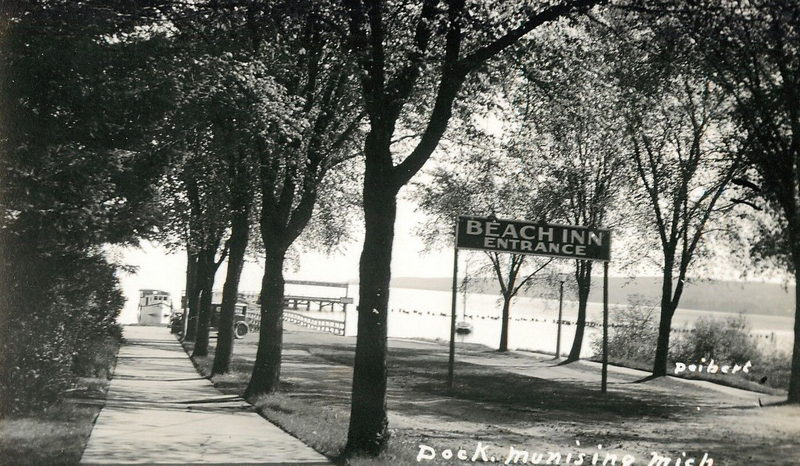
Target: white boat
x=155, y=307
x=463, y=328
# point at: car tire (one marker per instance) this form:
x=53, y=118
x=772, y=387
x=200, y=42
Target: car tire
x=240, y=330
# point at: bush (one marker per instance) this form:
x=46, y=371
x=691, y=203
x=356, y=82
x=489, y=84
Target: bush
x=76, y=175
x=38, y=359
x=725, y=340
x=775, y=367
x=57, y=315
x=633, y=333
x=97, y=357
x=729, y=341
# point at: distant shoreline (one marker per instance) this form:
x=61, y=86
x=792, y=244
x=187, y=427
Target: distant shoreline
x=709, y=295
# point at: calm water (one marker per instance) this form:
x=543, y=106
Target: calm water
x=426, y=314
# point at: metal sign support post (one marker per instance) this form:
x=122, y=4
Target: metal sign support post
x=560, y=307
x=604, y=379
x=451, y=362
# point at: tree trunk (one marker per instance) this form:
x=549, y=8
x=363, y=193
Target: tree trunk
x=189, y=318
x=665, y=323
x=267, y=367
x=194, y=302
x=662, y=347
x=368, y=421
x=583, y=278
x=205, y=276
x=240, y=230
x=194, y=311
x=504, y=323
x=193, y=288
x=794, y=377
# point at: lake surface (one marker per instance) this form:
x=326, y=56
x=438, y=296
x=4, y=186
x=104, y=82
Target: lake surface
x=426, y=314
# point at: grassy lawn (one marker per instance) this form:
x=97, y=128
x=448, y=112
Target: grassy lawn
x=499, y=409
x=58, y=434
x=776, y=373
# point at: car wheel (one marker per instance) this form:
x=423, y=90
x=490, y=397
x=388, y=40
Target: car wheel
x=240, y=330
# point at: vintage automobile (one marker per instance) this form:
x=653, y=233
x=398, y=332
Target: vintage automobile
x=240, y=325
x=176, y=323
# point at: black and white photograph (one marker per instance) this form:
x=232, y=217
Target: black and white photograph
x=400, y=232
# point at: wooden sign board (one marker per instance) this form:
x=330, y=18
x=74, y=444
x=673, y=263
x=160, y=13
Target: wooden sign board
x=520, y=237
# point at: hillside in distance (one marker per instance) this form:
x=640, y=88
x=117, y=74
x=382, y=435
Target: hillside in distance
x=710, y=295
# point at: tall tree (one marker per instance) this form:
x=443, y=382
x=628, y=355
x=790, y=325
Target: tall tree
x=676, y=137
x=241, y=106
x=209, y=206
x=217, y=119
x=750, y=49
x=268, y=112
x=240, y=207
x=201, y=163
x=563, y=108
x=293, y=168
x=398, y=46
x=487, y=183
x=223, y=111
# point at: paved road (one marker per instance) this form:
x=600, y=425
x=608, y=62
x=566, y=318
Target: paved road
x=159, y=410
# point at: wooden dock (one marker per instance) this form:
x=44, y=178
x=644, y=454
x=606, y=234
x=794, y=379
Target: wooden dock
x=293, y=303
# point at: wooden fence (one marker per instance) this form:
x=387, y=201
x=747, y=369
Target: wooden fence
x=335, y=327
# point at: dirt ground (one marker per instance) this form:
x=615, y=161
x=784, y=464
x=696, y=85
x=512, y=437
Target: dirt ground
x=526, y=402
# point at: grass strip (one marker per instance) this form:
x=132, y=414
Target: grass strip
x=728, y=380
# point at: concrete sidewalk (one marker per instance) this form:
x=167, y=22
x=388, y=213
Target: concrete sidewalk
x=159, y=410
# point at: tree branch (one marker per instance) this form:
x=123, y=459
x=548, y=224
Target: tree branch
x=479, y=56
x=530, y=276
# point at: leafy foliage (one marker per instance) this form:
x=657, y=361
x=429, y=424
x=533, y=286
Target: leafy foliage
x=77, y=172
x=679, y=138
x=633, y=334
x=719, y=339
